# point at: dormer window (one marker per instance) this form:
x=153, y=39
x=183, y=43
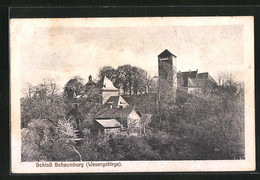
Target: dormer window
x=110, y=105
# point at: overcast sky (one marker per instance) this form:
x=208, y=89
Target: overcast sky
x=64, y=48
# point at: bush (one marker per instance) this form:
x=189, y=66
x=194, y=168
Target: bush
x=206, y=127
x=37, y=140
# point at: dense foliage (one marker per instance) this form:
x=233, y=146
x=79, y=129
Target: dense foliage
x=204, y=126
x=131, y=79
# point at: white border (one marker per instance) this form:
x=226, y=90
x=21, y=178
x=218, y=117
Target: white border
x=145, y=166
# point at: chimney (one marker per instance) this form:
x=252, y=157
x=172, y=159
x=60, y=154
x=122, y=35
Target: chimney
x=190, y=71
x=90, y=78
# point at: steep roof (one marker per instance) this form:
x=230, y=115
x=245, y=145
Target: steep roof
x=106, y=84
x=208, y=76
x=195, y=79
x=195, y=82
x=109, y=123
x=203, y=75
x=166, y=53
x=128, y=99
x=116, y=101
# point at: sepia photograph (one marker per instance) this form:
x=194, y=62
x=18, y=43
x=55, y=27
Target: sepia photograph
x=161, y=94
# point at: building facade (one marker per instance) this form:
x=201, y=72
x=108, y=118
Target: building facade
x=171, y=80
x=115, y=115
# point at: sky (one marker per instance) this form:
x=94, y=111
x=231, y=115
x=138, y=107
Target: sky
x=63, y=48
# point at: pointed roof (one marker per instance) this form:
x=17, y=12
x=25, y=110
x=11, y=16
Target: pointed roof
x=106, y=84
x=166, y=53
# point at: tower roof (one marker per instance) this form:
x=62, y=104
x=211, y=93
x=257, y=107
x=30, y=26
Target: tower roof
x=90, y=81
x=106, y=83
x=166, y=53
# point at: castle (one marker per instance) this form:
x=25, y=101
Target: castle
x=189, y=81
x=116, y=114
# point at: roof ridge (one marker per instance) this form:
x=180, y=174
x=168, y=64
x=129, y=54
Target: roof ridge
x=166, y=51
x=106, y=109
x=116, y=110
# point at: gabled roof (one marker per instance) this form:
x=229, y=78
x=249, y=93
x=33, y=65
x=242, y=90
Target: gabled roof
x=90, y=82
x=106, y=84
x=109, y=123
x=195, y=82
x=186, y=74
x=206, y=75
x=106, y=113
x=128, y=99
x=116, y=101
x=203, y=75
x=166, y=53
x=201, y=82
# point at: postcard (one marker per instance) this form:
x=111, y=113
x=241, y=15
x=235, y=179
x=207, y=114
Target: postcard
x=143, y=94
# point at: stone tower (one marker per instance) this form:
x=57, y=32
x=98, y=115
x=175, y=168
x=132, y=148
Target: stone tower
x=167, y=68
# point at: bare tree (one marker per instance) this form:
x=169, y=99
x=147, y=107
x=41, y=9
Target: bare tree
x=68, y=134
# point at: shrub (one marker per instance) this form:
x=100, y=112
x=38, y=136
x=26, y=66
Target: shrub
x=37, y=140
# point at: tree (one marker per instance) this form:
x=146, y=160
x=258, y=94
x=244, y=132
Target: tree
x=206, y=126
x=153, y=84
x=229, y=85
x=52, y=86
x=125, y=78
x=73, y=87
x=42, y=102
x=139, y=80
x=131, y=79
x=67, y=135
x=109, y=72
x=37, y=140
x=149, y=83
x=221, y=78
